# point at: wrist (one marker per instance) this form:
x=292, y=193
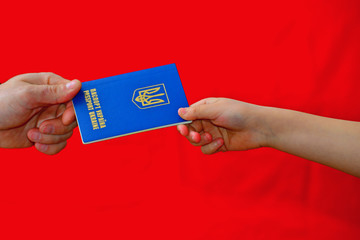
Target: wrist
x=4, y=106
x=268, y=125
x=278, y=125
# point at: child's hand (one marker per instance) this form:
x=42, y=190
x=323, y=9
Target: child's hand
x=221, y=124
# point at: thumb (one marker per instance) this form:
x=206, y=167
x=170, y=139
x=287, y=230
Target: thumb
x=202, y=111
x=55, y=94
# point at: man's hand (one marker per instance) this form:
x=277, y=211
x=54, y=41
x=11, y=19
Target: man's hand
x=36, y=109
x=221, y=124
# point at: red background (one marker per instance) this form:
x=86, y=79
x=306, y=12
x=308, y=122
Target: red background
x=302, y=55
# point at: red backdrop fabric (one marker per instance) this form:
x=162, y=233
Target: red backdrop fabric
x=301, y=55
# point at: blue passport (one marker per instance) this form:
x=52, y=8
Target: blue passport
x=129, y=103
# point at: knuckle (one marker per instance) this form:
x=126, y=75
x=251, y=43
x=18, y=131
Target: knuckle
x=207, y=100
x=47, y=74
x=210, y=100
x=194, y=110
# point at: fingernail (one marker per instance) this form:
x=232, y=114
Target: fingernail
x=71, y=84
x=182, y=111
x=48, y=129
x=192, y=135
x=195, y=137
x=35, y=136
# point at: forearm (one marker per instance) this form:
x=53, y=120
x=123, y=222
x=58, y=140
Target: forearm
x=332, y=142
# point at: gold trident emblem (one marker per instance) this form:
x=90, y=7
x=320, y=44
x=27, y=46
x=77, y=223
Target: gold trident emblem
x=145, y=97
x=151, y=96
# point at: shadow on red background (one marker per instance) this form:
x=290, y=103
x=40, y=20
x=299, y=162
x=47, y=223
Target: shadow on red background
x=155, y=185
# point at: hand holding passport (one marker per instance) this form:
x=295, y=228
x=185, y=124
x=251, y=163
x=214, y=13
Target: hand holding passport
x=129, y=103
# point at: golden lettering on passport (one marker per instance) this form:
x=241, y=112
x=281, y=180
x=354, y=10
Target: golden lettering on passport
x=88, y=100
x=93, y=103
x=95, y=98
x=151, y=96
x=94, y=122
x=101, y=118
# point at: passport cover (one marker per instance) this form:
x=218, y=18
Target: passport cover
x=129, y=103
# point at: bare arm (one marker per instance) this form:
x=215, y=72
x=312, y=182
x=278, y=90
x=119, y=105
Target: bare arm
x=332, y=142
x=221, y=124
